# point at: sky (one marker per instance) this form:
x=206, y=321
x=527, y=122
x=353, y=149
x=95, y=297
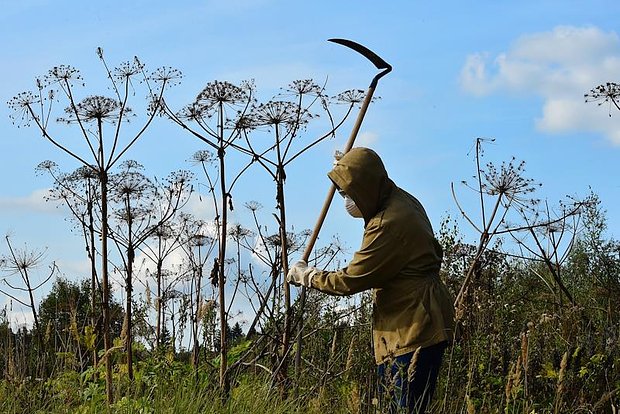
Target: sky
x=513, y=71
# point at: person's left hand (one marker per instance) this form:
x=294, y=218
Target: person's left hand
x=300, y=274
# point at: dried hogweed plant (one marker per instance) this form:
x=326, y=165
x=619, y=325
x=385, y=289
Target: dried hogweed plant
x=508, y=207
x=98, y=121
x=608, y=93
x=500, y=190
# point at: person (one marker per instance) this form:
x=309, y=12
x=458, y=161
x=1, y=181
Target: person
x=399, y=259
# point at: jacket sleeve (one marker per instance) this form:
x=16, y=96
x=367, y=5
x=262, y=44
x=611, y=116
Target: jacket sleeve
x=379, y=259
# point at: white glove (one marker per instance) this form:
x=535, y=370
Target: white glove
x=337, y=156
x=300, y=274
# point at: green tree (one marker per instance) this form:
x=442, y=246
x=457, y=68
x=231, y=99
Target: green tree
x=66, y=313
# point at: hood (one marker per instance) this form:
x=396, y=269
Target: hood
x=360, y=173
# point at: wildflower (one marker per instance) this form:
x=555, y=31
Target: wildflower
x=238, y=232
x=86, y=172
x=64, y=74
x=253, y=205
x=126, y=70
x=200, y=240
x=218, y=92
x=163, y=231
x=281, y=113
x=22, y=260
x=177, y=181
x=304, y=87
x=203, y=157
x=46, y=166
x=193, y=112
x=130, y=183
x=22, y=105
x=166, y=76
x=95, y=108
x=607, y=93
x=508, y=181
x=245, y=123
x=351, y=96
x=156, y=106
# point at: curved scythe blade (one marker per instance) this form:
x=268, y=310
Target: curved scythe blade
x=370, y=55
x=364, y=51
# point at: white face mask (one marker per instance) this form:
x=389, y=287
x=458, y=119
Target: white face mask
x=351, y=208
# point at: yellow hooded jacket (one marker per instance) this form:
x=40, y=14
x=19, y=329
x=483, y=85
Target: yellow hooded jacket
x=399, y=259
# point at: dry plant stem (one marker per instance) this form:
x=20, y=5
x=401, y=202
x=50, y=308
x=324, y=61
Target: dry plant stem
x=286, y=128
x=238, y=279
x=129, y=291
x=134, y=229
x=86, y=219
x=552, y=260
x=163, y=251
x=198, y=304
x=216, y=138
x=224, y=385
x=554, y=269
x=159, y=305
x=64, y=82
x=105, y=284
x=22, y=268
x=485, y=238
x=93, y=275
x=263, y=304
x=274, y=273
x=284, y=260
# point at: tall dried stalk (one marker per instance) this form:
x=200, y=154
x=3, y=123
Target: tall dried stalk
x=510, y=194
x=98, y=120
x=22, y=262
x=287, y=116
x=216, y=117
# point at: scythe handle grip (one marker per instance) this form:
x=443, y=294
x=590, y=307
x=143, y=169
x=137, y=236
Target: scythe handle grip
x=332, y=190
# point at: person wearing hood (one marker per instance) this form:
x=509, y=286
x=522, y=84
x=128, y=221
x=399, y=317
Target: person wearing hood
x=399, y=259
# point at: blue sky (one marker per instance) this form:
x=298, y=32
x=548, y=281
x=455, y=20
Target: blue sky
x=514, y=71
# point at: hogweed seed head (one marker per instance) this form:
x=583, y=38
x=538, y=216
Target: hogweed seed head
x=280, y=113
x=223, y=92
x=96, y=108
x=22, y=105
x=166, y=75
x=203, y=157
x=604, y=93
x=304, y=87
x=351, y=96
x=508, y=181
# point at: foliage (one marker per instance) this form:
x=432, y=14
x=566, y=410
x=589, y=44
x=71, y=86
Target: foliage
x=539, y=328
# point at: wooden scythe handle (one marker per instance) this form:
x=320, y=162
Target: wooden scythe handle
x=332, y=188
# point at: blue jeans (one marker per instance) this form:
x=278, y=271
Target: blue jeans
x=402, y=390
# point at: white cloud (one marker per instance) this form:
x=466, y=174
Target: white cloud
x=559, y=66
x=474, y=76
x=17, y=314
x=79, y=267
x=200, y=206
x=366, y=139
x=18, y=320
x=34, y=201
